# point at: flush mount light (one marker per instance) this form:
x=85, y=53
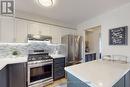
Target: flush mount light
x=46, y=3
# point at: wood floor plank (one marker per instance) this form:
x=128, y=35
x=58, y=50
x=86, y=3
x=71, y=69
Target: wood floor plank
x=58, y=82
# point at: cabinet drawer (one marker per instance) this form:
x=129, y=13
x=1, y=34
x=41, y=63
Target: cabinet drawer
x=58, y=69
x=59, y=65
x=59, y=74
x=59, y=60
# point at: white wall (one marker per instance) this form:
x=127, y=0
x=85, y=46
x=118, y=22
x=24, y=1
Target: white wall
x=112, y=19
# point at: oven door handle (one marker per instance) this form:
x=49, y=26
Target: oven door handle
x=39, y=64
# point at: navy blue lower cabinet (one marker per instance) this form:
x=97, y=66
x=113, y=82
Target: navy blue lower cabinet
x=90, y=57
x=75, y=82
x=17, y=75
x=120, y=83
x=124, y=81
x=127, y=79
x=58, y=68
x=4, y=77
x=13, y=75
x=94, y=56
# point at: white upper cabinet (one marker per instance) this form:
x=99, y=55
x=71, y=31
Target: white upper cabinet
x=65, y=31
x=53, y=31
x=16, y=30
x=44, y=29
x=7, y=29
x=21, y=31
x=56, y=34
x=33, y=28
x=13, y=30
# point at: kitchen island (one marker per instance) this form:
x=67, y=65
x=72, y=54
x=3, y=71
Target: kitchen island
x=99, y=73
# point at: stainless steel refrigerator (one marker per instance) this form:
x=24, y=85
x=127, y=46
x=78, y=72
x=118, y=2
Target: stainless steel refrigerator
x=73, y=45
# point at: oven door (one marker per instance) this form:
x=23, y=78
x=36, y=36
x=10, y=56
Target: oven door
x=41, y=72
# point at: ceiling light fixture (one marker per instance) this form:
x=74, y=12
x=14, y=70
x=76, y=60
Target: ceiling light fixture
x=46, y=3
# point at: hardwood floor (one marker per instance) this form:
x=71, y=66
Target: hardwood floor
x=57, y=83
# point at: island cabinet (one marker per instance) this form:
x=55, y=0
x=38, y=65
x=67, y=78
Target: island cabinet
x=124, y=81
x=75, y=82
x=120, y=83
x=127, y=79
x=17, y=75
x=90, y=57
x=58, y=68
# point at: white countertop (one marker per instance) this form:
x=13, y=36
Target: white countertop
x=89, y=53
x=57, y=56
x=99, y=73
x=6, y=61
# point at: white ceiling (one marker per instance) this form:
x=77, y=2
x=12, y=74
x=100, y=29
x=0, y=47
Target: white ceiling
x=72, y=12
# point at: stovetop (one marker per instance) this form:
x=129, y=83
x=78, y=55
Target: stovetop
x=38, y=55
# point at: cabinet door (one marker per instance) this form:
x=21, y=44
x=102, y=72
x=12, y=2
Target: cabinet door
x=73, y=81
x=88, y=57
x=65, y=31
x=56, y=34
x=7, y=30
x=127, y=79
x=3, y=77
x=58, y=68
x=33, y=28
x=120, y=83
x=93, y=56
x=17, y=75
x=45, y=29
x=21, y=31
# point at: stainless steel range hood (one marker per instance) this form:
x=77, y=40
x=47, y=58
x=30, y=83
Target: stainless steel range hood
x=32, y=37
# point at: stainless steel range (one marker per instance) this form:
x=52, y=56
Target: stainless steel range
x=40, y=69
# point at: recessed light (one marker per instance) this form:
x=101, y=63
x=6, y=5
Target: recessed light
x=100, y=84
x=46, y=3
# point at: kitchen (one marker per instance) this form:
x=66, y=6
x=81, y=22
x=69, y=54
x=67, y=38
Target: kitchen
x=45, y=46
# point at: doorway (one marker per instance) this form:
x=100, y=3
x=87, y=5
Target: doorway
x=93, y=42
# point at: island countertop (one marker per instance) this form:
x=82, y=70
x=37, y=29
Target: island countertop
x=99, y=73
x=6, y=61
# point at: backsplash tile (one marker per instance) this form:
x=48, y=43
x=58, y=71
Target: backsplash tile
x=50, y=48
x=37, y=46
x=7, y=49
